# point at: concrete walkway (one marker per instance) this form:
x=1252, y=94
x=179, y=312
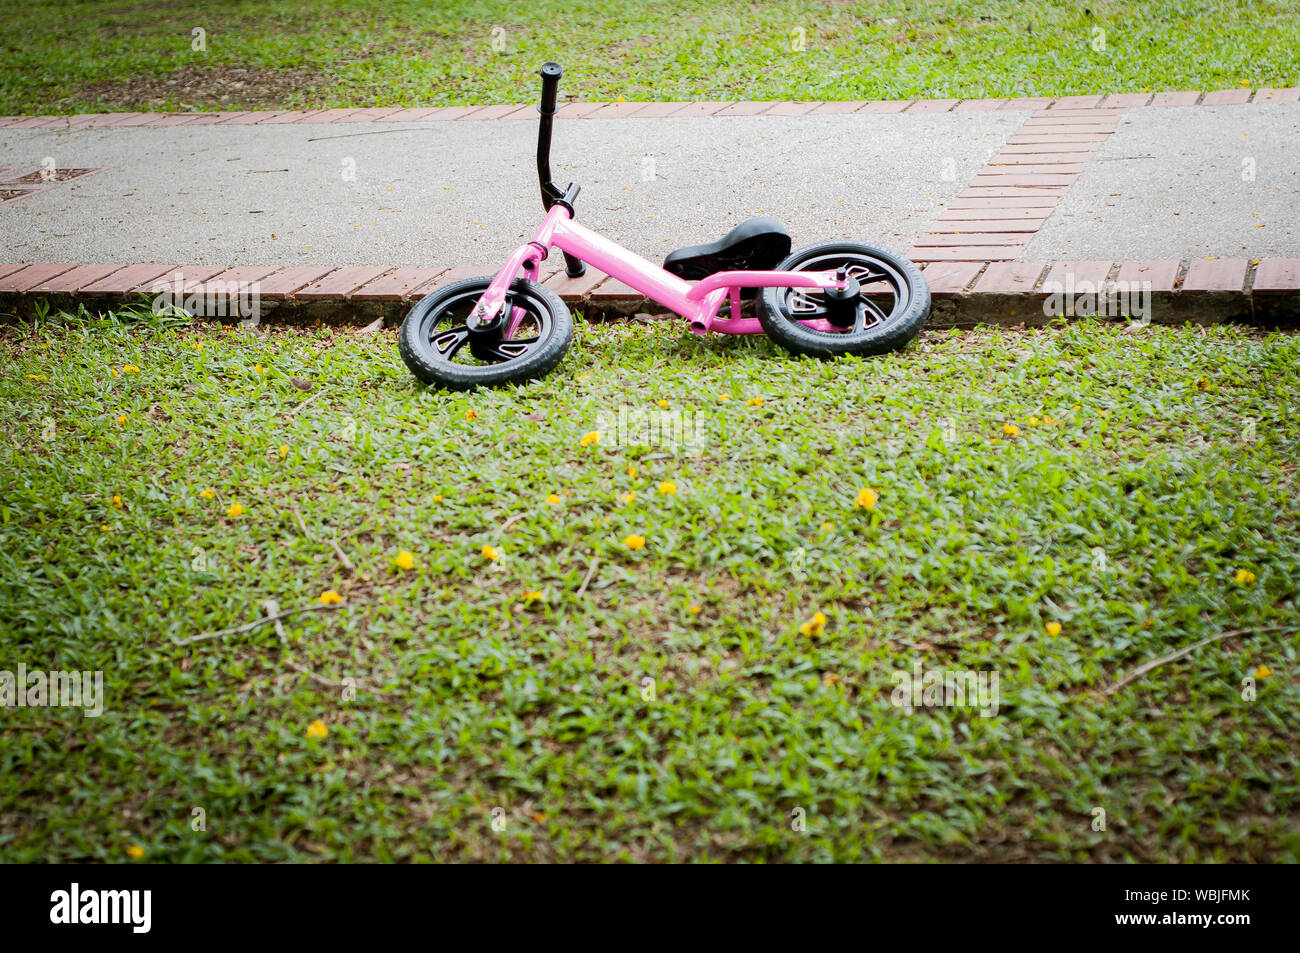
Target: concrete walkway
x=1169, y=182
x=1192, y=181
x=467, y=191
x=1172, y=179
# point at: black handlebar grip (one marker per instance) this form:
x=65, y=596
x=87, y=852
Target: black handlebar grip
x=550, y=73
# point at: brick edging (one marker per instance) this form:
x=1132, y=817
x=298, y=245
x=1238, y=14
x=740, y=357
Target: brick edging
x=1261, y=292
x=1012, y=196
x=648, y=110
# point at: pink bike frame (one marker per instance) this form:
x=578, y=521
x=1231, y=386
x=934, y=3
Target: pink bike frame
x=698, y=303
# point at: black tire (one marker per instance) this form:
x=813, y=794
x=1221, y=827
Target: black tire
x=492, y=362
x=885, y=274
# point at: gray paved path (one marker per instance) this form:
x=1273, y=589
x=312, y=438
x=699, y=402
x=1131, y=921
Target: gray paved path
x=1188, y=181
x=1170, y=182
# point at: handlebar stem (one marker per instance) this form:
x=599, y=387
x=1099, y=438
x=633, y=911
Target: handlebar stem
x=551, y=193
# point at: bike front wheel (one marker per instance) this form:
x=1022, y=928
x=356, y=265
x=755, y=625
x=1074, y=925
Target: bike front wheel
x=440, y=349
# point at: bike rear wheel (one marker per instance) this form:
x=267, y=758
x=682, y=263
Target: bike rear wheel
x=889, y=311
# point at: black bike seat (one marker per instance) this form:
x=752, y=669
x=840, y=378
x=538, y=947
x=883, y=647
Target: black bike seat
x=758, y=244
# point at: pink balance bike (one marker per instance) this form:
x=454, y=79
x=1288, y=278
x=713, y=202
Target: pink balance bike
x=824, y=300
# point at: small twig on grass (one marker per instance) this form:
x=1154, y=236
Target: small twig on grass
x=256, y=623
x=1174, y=656
x=273, y=613
x=273, y=616
x=343, y=557
x=298, y=516
x=321, y=679
x=512, y=521
x=306, y=402
x=591, y=571
x=334, y=682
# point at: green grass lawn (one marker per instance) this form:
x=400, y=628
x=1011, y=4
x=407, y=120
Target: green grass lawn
x=61, y=56
x=674, y=702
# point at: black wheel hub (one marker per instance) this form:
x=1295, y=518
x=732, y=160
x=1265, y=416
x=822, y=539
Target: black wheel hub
x=842, y=303
x=863, y=302
x=455, y=327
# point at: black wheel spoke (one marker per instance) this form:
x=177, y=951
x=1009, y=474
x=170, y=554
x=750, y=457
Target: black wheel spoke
x=447, y=342
x=864, y=273
x=805, y=306
x=508, y=350
x=870, y=307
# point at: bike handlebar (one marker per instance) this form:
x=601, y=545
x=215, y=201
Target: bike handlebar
x=550, y=73
x=551, y=193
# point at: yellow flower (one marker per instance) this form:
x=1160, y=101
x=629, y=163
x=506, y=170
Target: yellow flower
x=661, y=402
x=259, y=369
x=208, y=494
x=827, y=527
x=198, y=347
x=284, y=450
x=1244, y=577
x=1011, y=430
x=330, y=598
x=589, y=438
x=631, y=469
x=437, y=497
x=105, y=528
x=405, y=560
x=626, y=498
x=1049, y=421
x=36, y=377
x=553, y=499
x=135, y=852
x=814, y=626
x=113, y=371
x=1202, y=383
x=1263, y=672
x=634, y=542
x=668, y=488
x=695, y=608
x=723, y=398
x=317, y=730
x=117, y=501
x=1053, y=628
x=1033, y=421
x=755, y=402
x=235, y=510
x=531, y=596
x=489, y=552
x=471, y=415
x=130, y=369
x=866, y=499
x=121, y=419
